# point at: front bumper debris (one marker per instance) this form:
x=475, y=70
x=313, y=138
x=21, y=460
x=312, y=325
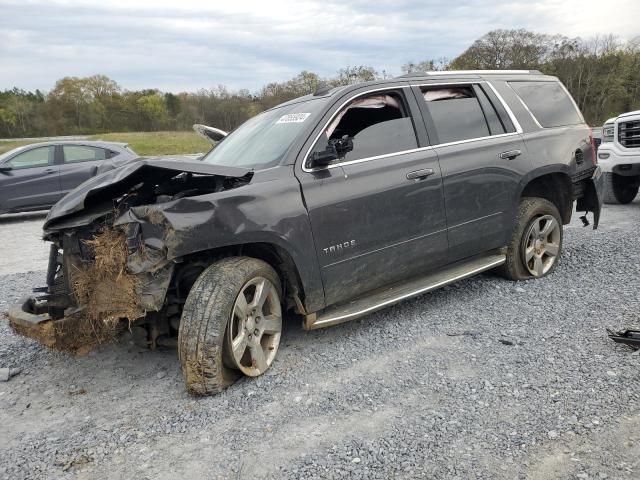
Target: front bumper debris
x=628, y=337
x=29, y=312
x=74, y=333
x=30, y=318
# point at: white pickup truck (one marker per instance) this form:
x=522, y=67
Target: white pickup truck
x=619, y=157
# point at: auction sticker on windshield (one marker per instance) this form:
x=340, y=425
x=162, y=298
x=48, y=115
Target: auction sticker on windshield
x=293, y=118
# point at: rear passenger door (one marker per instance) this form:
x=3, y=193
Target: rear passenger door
x=482, y=157
x=79, y=163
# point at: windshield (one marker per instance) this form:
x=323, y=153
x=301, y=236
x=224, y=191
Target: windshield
x=263, y=140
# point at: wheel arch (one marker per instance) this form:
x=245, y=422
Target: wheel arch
x=552, y=183
x=279, y=258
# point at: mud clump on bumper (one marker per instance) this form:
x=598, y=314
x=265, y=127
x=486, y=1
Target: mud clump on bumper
x=104, y=290
x=76, y=334
x=104, y=294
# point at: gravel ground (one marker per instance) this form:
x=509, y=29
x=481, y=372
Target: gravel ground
x=23, y=249
x=487, y=379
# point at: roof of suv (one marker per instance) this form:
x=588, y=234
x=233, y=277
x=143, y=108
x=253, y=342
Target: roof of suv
x=326, y=90
x=470, y=72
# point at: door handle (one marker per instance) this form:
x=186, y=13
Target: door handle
x=420, y=174
x=50, y=170
x=510, y=155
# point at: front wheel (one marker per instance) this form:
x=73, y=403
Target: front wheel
x=231, y=324
x=536, y=244
x=619, y=189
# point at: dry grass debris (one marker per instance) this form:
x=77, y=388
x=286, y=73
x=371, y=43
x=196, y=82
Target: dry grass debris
x=105, y=289
x=105, y=293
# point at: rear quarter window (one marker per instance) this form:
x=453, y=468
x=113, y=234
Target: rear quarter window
x=548, y=102
x=81, y=153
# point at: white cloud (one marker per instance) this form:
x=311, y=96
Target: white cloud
x=194, y=44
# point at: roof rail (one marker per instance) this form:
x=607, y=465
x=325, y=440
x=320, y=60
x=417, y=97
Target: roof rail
x=471, y=72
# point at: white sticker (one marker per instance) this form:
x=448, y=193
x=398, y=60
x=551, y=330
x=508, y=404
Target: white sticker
x=293, y=118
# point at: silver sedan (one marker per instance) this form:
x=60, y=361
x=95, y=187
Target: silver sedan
x=36, y=176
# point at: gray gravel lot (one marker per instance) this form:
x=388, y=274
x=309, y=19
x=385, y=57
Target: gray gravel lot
x=23, y=249
x=487, y=379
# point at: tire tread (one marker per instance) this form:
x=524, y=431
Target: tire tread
x=204, y=321
x=612, y=195
x=513, y=268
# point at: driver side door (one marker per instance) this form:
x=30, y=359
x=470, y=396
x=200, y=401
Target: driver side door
x=377, y=214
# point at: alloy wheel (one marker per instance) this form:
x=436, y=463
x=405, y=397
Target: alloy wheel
x=542, y=245
x=255, y=327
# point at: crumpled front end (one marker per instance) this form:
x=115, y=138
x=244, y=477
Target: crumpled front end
x=117, y=256
x=102, y=270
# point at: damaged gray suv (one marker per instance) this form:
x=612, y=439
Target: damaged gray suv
x=327, y=207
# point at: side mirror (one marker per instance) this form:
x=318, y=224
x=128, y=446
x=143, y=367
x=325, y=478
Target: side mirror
x=343, y=145
x=212, y=134
x=337, y=148
x=5, y=168
x=323, y=158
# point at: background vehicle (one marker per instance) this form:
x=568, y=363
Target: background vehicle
x=607, y=130
x=619, y=157
x=330, y=206
x=597, y=137
x=36, y=176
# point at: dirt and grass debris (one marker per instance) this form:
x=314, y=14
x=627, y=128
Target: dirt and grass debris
x=104, y=288
x=105, y=293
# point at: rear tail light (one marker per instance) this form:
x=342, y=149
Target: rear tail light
x=594, y=157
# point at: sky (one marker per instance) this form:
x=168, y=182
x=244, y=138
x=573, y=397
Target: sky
x=186, y=45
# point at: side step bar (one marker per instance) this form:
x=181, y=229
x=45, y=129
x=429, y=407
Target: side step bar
x=384, y=297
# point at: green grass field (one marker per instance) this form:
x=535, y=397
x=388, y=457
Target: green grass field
x=159, y=143
x=143, y=143
x=6, y=146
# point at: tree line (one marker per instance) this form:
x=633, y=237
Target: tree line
x=601, y=73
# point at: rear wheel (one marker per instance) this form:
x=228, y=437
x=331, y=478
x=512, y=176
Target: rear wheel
x=619, y=189
x=231, y=324
x=536, y=242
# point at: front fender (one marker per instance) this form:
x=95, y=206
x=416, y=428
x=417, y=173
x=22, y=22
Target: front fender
x=260, y=212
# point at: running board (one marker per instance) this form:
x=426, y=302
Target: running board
x=384, y=297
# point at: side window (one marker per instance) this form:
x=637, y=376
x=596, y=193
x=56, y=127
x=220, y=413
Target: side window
x=456, y=113
x=37, y=157
x=378, y=124
x=81, y=153
x=548, y=102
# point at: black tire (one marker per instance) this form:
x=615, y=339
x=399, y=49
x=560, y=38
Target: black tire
x=619, y=189
x=530, y=210
x=205, y=317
